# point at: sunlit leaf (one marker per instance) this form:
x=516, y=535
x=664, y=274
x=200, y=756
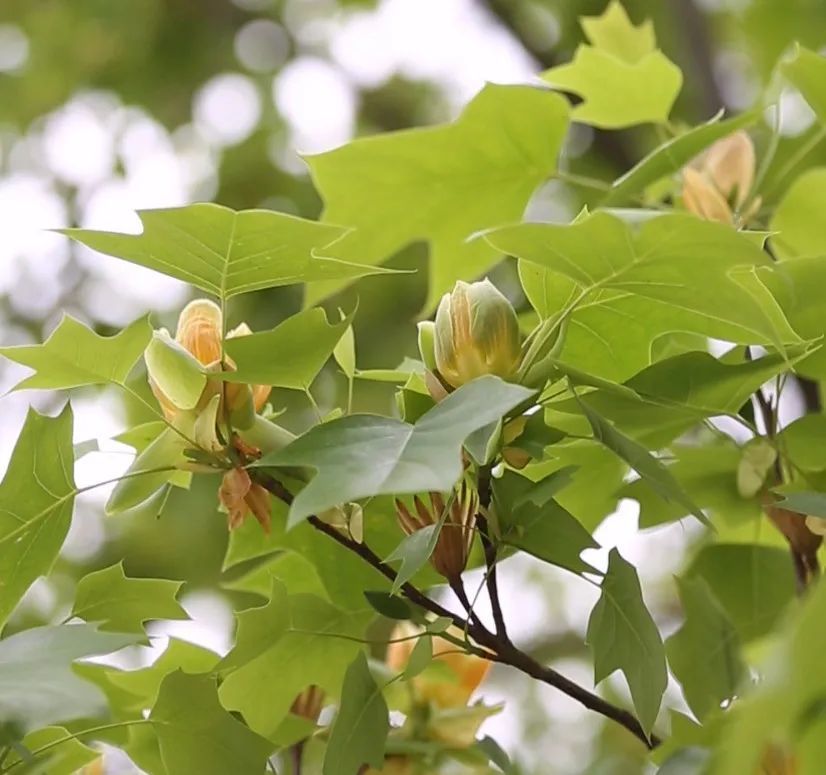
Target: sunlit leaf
x=74, y=356
x=123, y=604
x=796, y=219
x=225, y=252
x=67, y=758
x=36, y=501
x=416, y=184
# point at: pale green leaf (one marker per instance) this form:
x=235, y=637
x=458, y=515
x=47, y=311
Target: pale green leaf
x=282, y=648
x=674, y=259
x=364, y=455
x=614, y=33
x=37, y=684
x=123, y=604
x=225, y=252
x=74, y=356
x=197, y=735
x=414, y=551
x=442, y=184
x=705, y=653
x=797, y=219
x=345, y=353
x=805, y=502
x=67, y=758
x=36, y=501
x=360, y=729
x=623, y=636
x=288, y=356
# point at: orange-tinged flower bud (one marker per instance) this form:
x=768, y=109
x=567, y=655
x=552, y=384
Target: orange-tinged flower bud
x=456, y=536
x=468, y=669
x=308, y=704
x=476, y=333
x=730, y=164
x=703, y=199
x=200, y=330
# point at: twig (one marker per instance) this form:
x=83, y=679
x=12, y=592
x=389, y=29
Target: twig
x=496, y=649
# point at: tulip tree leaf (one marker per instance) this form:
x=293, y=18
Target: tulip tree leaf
x=622, y=77
x=364, y=455
x=123, y=604
x=196, y=734
x=36, y=502
x=705, y=653
x=67, y=758
x=361, y=726
x=623, y=636
x=37, y=684
x=674, y=154
x=704, y=272
x=414, y=185
x=282, y=648
x=74, y=356
x=289, y=356
x=225, y=252
x=807, y=71
x=796, y=219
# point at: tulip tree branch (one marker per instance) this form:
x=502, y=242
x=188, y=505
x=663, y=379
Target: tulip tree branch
x=495, y=648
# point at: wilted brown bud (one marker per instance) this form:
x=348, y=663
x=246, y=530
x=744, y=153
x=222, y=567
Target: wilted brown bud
x=308, y=704
x=456, y=536
x=476, y=333
x=239, y=495
x=802, y=541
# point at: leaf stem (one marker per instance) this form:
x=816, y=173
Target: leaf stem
x=495, y=648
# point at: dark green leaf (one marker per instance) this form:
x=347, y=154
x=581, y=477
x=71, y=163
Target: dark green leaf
x=361, y=726
x=622, y=636
x=391, y=606
x=811, y=503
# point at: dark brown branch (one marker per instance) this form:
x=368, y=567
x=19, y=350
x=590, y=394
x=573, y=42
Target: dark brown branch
x=496, y=649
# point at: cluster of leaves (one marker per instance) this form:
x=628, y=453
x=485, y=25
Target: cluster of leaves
x=632, y=290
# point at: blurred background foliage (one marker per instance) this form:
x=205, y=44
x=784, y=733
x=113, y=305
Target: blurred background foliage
x=107, y=107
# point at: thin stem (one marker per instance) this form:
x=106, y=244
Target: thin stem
x=75, y=735
x=496, y=649
x=313, y=403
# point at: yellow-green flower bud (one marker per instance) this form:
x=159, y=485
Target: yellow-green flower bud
x=476, y=333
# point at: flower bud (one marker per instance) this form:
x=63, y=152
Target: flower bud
x=456, y=536
x=468, y=670
x=308, y=704
x=476, y=333
x=200, y=330
x=703, y=199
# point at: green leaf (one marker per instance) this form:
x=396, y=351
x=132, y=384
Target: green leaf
x=225, y=252
x=281, y=649
x=420, y=657
x=363, y=455
x=674, y=259
x=74, y=356
x=805, y=502
x=414, y=551
x=197, y=735
x=36, y=501
x=622, y=78
x=753, y=583
x=68, y=758
x=179, y=375
x=145, y=683
x=37, y=684
x=387, y=605
x=655, y=473
x=796, y=219
x=345, y=353
x=360, y=730
x=802, y=442
x=122, y=604
x=705, y=653
x=288, y=356
x=674, y=154
x=622, y=636
x=400, y=187
x=807, y=71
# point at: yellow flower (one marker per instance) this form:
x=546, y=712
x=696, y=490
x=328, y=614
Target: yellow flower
x=717, y=185
x=476, y=333
x=456, y=535
x=453, y=692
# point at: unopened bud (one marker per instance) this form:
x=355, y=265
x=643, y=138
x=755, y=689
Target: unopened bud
x=476, y=333
x=730, y=164
x=703, y=199
x=200, y=330
x=453, y=546
x=308, y=704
